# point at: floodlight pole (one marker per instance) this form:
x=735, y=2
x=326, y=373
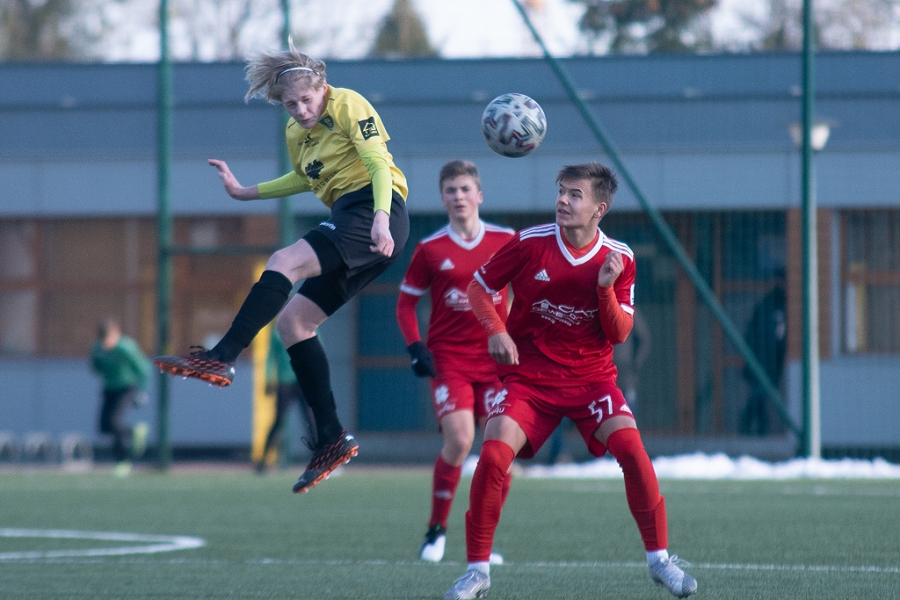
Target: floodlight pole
x=164, y=229
x=285, y=215
x=812, y=443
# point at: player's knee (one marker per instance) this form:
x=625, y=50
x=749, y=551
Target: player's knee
x=456, y=447
x=295, y=262
x=453, y=456
x=284, y=324
x=625, y=444
x=280, y=261
x=292, y=328
x=497, y=455
x=288, y=263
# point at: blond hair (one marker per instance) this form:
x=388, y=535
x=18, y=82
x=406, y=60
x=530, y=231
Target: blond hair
x=270, y=75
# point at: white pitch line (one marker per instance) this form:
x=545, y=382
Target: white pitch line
x=170, y=543
x=596, y=565
x=813, y=568
x=313, y=562
x=720, y=566
x=157, y=543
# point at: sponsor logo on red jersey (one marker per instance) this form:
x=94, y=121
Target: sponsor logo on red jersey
x=567, y=315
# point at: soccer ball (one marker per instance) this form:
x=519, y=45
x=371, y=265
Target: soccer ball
x=513, y=125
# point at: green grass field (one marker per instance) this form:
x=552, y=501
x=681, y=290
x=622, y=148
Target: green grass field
x=357, y=535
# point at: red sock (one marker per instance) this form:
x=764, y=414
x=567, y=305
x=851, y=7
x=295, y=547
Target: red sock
x=486, y=499
x=504, y=491
x=647, y=506
x=443, y=489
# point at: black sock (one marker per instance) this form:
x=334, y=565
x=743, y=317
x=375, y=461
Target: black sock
x=266, y=299
x=311, y=368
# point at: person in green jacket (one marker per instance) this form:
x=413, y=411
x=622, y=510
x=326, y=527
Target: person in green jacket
x=124, y=371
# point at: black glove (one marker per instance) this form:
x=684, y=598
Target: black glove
x=422, y=360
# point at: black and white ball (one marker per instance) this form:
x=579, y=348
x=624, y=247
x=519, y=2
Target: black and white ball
x=513, y=125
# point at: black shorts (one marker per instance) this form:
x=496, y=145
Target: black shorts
x=342, y=247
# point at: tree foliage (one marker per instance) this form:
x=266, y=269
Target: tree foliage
x=638, y=26
x=402, y=34
x=839, y=24
x=31, y=30
x=223, y=30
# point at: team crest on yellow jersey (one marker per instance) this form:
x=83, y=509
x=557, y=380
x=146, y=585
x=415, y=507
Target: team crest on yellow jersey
x=313, y=169
x=368, y=128
x=328, y=122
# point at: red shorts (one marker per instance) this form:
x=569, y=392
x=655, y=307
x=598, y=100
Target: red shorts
x=452, y=391
x=539, y=409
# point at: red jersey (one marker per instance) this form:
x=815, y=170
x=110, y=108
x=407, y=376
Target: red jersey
x=445, y=263
x=554, y=318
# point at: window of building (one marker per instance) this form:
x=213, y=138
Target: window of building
x=59, y=277
x=870, y=277
x=18, y=273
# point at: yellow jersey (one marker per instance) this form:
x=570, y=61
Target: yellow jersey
x=326, y=157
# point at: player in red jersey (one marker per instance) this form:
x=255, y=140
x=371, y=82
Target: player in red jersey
x=464, y=378
x=574, y=299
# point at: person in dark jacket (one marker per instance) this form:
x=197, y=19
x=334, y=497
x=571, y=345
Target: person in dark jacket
x=767, y=336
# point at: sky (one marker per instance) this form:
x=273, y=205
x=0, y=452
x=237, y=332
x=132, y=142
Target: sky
x=458, y=29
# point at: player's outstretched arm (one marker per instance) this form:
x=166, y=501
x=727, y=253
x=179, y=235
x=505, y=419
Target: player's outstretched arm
x=232, y=187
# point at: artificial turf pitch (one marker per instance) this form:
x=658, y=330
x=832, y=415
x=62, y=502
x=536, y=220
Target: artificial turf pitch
x=356, y=536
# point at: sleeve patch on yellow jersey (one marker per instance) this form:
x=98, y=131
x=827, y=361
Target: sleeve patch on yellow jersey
x=367, y=128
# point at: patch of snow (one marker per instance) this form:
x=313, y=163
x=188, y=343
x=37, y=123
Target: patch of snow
x=717, y=466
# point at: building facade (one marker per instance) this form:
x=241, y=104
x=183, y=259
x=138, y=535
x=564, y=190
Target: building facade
x=705, y=139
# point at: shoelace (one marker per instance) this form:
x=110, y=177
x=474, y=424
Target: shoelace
x=200, y=356
x=471, y=577
x=678, y=561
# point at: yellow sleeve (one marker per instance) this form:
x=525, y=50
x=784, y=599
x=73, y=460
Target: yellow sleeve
x=286, y=185
x=380, y=173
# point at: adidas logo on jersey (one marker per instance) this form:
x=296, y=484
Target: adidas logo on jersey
x=447, y=265
x=542, y=276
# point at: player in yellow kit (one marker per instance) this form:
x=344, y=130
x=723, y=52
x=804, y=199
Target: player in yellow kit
x=338, y=149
